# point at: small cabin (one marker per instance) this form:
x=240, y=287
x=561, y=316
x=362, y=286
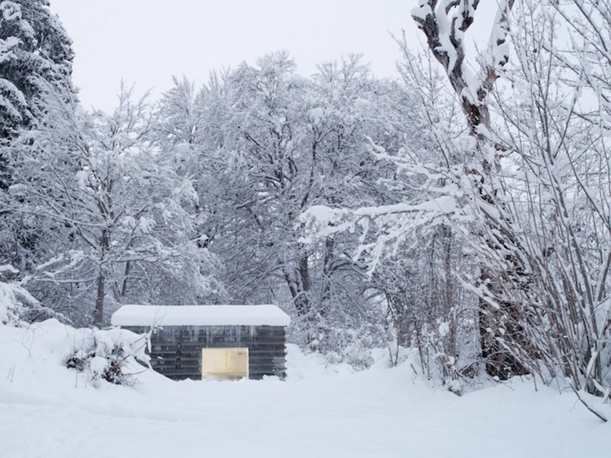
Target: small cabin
x=211, y=342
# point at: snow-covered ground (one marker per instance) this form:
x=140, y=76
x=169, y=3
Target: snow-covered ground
x=49, y=411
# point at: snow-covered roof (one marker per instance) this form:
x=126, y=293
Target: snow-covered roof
x=200, y=315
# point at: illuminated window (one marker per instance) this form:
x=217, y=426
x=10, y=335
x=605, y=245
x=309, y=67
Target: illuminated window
x=224, y=363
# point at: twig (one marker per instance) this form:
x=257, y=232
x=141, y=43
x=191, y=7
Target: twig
x=598, y=414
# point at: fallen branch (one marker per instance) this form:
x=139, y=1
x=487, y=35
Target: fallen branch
x=598, y=414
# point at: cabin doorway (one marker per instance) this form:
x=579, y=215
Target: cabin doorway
x=224, y=363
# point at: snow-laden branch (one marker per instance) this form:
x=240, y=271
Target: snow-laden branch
x=445, y=205
x=392, y=223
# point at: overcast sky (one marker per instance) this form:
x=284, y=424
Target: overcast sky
x=147, y=41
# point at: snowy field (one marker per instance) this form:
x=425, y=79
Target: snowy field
x=51, y=412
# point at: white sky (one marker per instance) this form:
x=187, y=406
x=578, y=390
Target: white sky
x=147, y=41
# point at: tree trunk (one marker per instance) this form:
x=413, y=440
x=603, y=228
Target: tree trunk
x=498, y=324
x=128, y=268
x=98, y=316
x=299, y=284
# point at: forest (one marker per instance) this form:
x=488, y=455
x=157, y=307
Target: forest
x=462, y=211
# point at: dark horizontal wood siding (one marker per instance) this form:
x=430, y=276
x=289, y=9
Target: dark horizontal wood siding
x=176, y=351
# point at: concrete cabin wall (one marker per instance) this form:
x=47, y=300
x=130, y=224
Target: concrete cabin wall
x=176, y=351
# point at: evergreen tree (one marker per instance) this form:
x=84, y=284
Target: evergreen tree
x=34, y=51
x=35, y=58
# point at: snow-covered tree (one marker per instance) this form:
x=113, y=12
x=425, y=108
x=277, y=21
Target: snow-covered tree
x=261, y=145
x=35, y=54
x=116, y=219
x=541, y=187
x=34, y=51
x=552, y=120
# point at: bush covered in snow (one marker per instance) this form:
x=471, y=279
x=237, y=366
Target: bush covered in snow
x=111, y=355
x=107, y=355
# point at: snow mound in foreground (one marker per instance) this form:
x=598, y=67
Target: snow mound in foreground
x=47, y=410
x=38, y=355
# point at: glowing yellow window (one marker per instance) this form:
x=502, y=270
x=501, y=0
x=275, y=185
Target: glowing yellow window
x=224, y=363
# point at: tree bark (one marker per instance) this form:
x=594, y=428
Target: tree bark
x=98, y=316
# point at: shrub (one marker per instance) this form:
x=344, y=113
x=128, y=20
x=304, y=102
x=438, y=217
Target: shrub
x=110, y=355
